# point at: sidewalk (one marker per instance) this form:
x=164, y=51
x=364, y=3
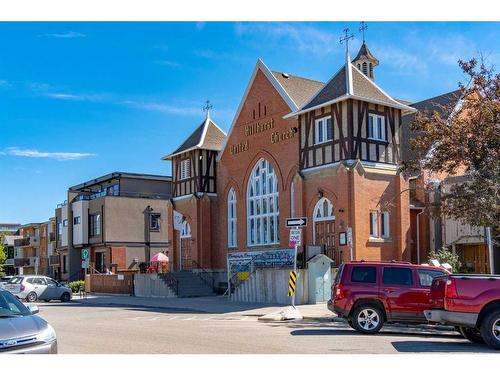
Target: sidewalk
x=207, y=305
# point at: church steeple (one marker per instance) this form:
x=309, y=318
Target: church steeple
x=364, y=60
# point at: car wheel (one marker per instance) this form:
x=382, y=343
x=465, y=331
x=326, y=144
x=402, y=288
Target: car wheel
x=367, y=319
x=471, y=334
x=65, y=297
x=31, y=297
x=490, y=330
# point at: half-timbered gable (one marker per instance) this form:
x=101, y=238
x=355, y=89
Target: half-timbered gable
x=194, y=162
x=350, y=118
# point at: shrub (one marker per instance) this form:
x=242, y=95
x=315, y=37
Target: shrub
x=77, y=286
x=446, y=256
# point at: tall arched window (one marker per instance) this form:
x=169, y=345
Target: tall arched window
x=231, y=219
x=262, y=206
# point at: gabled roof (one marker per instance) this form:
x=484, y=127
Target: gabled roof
x=294, y=91
x=207, y=136
x=364, y=52
x=350, y=83
x=300, y=89
x=443, y=104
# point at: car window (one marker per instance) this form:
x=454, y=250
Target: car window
x=339, y=273
x=364, y=274
x=31, y=280
x=9, y=305
x=40, y=281
x=51, y=282
x=15, y=280
x=426, y=276
x=397, y=276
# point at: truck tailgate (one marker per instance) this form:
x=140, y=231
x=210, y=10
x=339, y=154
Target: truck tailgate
x=437, y=292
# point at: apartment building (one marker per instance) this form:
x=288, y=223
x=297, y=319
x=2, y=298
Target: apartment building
x=9, y=228
x=8, y=246
x=27, y=249
x=121, y=218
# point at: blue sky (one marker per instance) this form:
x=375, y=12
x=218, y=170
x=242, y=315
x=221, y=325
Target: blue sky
x=80, y=100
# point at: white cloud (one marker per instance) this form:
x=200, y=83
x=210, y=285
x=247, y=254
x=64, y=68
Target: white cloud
x=79, y=97
x=304, y=38
x=162, y=107
x=59, y=156
x=65, y=35
x=171, y=64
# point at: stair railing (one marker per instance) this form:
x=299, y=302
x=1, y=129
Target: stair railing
x=204, y=275
x=171, y=281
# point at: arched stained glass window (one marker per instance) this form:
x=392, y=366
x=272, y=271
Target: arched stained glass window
x=262, y=206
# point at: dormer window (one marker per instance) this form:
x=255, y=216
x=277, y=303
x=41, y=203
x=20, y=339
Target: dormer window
x=185, y=169
x=376, y=127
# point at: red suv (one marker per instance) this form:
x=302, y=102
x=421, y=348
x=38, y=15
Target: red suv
x=368, y=294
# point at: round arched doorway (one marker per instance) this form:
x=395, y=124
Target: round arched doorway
x=324, y=228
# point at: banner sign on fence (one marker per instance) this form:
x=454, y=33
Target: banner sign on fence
x=263, y=259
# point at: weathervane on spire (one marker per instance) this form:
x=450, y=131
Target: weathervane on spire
x=362, y=28
x=346, y=39
x=208, y=106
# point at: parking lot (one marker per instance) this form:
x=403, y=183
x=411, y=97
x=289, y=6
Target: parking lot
x=86, y=328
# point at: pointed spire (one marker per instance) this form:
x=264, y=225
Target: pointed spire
x=348, y=72
x=364, y=60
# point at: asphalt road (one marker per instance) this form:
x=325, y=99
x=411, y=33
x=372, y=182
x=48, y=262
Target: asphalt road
x=118, y=330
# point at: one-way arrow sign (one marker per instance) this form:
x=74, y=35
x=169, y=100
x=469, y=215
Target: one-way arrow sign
x=296, y=222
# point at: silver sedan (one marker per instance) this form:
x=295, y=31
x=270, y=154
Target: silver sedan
x=21, y=332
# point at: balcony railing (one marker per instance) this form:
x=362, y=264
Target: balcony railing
x=123, y=194
x=9, y=262
x=21, y=262
x=27, y=241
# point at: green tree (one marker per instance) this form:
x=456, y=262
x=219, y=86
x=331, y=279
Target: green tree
x=467, y=136
x=446, y=256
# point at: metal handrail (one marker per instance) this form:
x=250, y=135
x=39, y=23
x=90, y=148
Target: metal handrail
x=170, y=280
x=204, y=272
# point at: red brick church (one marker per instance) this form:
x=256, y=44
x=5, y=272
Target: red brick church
x=296, y=148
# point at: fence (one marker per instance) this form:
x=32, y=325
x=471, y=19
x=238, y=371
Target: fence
x=113, y=284
x=152, y=285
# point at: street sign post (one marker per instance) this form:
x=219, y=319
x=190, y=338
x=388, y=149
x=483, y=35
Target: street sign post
x=295, y=240
x=296, y=222
x=295, y=237
x=85, y=259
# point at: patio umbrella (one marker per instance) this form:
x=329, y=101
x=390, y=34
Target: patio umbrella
x=160, y=257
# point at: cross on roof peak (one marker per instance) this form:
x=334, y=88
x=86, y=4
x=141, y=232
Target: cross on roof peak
x=362, y=28
x=207, y=107
x=346, y=39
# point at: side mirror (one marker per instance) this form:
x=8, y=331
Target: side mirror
x=33, y=309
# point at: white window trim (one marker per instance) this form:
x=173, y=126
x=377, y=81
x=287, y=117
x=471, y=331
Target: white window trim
x=323, y=122
x=185, y=169
x=231, y=220
x=385, y=222
x=373, y=224
x=260, y=198
x=375, y=135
